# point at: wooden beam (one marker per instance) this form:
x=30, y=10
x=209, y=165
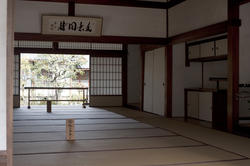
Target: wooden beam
x=125, y=3
x=143, y=51
x=102, y=39
x=9, y=90
x=125, y=76
x=207, y=31
x=71, y=8
x=242, y=2
x=233, y=66
x=103, y=53
x=169, y=81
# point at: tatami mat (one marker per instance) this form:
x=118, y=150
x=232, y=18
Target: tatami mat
x=107, y=134
x=103, y=145
x=145, y=157
x=78, y=122
x=105, y=138
x=89, y=127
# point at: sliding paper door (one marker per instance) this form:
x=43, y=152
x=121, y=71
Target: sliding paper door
x=106, y=81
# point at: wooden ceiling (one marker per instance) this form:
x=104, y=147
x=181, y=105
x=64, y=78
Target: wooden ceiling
x=125, y=3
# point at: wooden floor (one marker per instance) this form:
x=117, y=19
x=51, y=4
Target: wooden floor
x=120, y=137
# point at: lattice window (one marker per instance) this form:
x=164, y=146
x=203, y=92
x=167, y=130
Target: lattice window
x=106, y=46
x=33, y=44
x=74, y=45
x=16, y=75
x=106, y=76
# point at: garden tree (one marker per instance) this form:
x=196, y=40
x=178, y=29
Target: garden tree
x=56, y=70
x=51, y=70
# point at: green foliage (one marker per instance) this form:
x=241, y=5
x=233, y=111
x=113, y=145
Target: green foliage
x=51, y=70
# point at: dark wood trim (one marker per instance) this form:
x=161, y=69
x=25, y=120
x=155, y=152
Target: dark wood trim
x=71, y=8
x=207, y=31
x=125, y=3
x=213, y=39
x=103, y=53
x=242, y=2
x=102, y=39
x=3, y=158
x=9, y=90
x=233, y=67
x=142, y=78
x=169, y=81
x=209, y=59
x=185, y=104
x=125, y=76
x=150, y=47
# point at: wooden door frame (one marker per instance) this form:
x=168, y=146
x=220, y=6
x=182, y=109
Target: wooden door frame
x=9, y=89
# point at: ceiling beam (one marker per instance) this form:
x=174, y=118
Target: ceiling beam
x=102, y=39
x=244, y=1
x=125, y=3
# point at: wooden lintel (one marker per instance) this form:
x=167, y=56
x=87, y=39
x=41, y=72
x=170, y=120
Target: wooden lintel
x=207, y=31
x=125, y=3
x=102, y=39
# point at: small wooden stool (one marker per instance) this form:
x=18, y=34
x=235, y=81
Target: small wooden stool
x=49, y=103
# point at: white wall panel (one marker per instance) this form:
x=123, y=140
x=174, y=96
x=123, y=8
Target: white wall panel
x=183, y=77
x=244, y=43
x=134, y=73
x=118, y=21
x=3, y=55
x=194, y=14
x=245, y=55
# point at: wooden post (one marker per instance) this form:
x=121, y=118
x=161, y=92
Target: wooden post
x=83, y=98
x=28, y=98
x=70, y=129
x=49, y=103
x=233, y=64
x=169, y=81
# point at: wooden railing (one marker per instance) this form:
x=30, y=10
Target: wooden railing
x=84, y=99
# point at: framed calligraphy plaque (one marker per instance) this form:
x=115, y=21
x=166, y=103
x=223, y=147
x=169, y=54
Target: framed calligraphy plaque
x=66, y=25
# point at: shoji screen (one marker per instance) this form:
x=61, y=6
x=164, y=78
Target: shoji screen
x=106, y=81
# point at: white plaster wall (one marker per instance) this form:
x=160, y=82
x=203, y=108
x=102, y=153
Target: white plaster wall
x=215, y=69
x=3, y=46
x=244, y=55
x=183, y=77
x=244, y=44
x=117, y=21
x=134, y=73
x=194, y=14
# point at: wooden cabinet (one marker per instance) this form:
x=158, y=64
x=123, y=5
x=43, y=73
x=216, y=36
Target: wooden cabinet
x=221, y=47
x=193, y=104
x=194, y=52
x=199, y=105
x=207, y=49
x=205, y=106
x=210, y=106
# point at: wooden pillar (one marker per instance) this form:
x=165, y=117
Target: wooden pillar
x=142, y=77
x=169, y=80
x=71, y=8
x=49, y=105
x=233, y=64
x=125, y=76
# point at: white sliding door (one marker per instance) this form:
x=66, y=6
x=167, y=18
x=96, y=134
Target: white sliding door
x=154, y=81
x=159, y=82
x=148, y=81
